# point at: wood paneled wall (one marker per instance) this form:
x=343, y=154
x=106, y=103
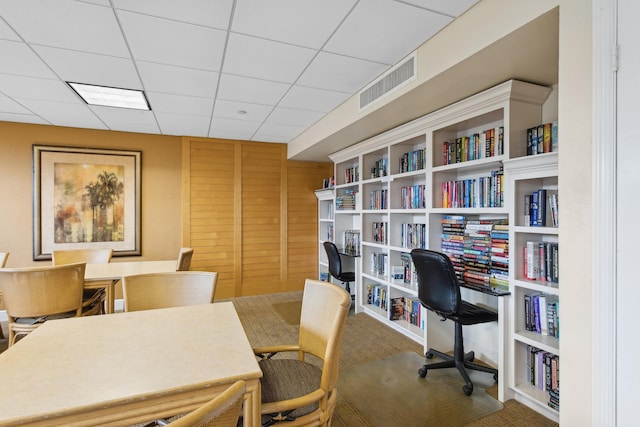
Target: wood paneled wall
x=250, y=214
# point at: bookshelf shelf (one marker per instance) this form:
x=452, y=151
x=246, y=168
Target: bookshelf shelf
x=406, y=179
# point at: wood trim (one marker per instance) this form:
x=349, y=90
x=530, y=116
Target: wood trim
x=237, y=222
x=284, y=235
x=185, y=237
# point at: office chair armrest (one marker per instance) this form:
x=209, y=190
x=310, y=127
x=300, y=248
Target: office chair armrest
x=288, y=405
x=270, y=351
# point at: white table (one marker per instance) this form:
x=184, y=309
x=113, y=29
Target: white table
x=127, y=368
x=107, y=275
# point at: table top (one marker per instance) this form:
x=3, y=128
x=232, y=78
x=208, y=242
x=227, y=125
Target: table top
x=115, y=270
x=69, y=365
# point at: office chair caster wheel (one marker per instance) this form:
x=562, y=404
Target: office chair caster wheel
x=422, y=372
x=428, y=355
x=467, y=389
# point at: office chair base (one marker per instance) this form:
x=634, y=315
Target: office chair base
x=463, y=363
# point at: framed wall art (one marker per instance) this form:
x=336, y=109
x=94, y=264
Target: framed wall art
x=84, y=198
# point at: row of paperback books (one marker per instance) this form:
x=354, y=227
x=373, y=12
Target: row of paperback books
x=412, y=161
x=480, y=192
x=379, y=262
x=413, y=236
x=478, y=249
x=380, y=232
x=379, y=199
x=541, y=314
x=544, y=373
x=377, y=296
x=351, y=175
x=407, y=309
x=409, y=276
x=328, y=182
x=539, y=206
x=540, y=261
x=379, y=168
x=413, y=196
x=480, y=145
x=542, y=138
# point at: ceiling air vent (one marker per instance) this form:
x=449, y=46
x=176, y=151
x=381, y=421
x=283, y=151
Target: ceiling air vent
x=389, y=81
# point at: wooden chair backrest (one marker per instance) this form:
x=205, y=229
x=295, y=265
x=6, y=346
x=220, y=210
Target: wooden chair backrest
x=89, y=256
x=40, y=291
x=184, y=259
x=3, y=259
x=222, y=411
x=322, y=320
x=162, y=290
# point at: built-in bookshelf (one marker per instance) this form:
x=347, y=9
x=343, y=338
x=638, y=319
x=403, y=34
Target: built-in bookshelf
x=409, y=180
x=534, y=281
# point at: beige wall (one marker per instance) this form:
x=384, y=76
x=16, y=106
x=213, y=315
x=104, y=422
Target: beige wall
x=161, y=191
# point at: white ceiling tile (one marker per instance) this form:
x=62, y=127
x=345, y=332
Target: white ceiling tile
x=230, y=110
x=264, y=59
x=340, y=73
x=68, y=24
x=177, y=80
x=177, y=124
x=35, y=88
x=8, y=105
x=293, y=117
x=170, y=42
x=180, y=104
x=99, y=2
x=393, y=31
x=63, y=114
x=127, y=119
x=246, y=89
x=233, y=128
x=23, y=61
x=81, y=67
x=277, y=133
x=6, y=33
x=312, y=99
x=22, y=118
x=314, y=22
x=210, y=13
x=447, y=7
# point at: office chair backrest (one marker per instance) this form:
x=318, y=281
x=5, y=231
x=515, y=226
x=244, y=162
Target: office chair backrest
x=333, y=256
x=438, y=287
x=89, y=256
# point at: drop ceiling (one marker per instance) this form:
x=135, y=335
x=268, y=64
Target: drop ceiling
x=239, y=69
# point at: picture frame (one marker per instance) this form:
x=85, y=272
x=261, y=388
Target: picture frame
x=86, y=198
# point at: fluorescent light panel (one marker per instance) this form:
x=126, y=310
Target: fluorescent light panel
x=111, y=96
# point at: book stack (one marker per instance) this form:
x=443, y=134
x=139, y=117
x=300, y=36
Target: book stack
x=477, y=252
x=540, y=205
x=351, y=175
x=328, y=182
x=542, y=138
x=379, y=168
x=453, y=241
x=379, y=264
x=412, y=312
x=380, y=232
x=351, y=241
x=378, y=199
x=377, y=296
x=543, y=372
x=347, y=200
x=412, y=197
x=500, y=256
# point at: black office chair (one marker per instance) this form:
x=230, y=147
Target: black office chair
x=335, y=266
x=439, y=291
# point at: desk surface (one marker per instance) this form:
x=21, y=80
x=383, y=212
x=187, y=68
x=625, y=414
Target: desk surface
x=115, y=270
x=99, y=368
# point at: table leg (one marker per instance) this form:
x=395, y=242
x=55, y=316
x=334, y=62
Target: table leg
x=251, y=409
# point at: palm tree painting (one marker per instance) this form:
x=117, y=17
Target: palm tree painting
x=88, y=203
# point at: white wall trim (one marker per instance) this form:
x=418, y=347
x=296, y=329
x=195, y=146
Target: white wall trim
x=604, y=213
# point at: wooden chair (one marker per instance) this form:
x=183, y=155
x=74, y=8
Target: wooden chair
x=162, y=290
x=222, y=411
x=34, y=295
x=294, y=391
x=184, y=259
x=93, y=299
